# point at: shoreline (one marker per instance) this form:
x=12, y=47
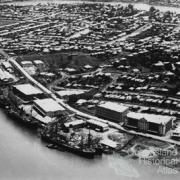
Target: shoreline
x=132, y=2
x=137, y=5
x=101, y=1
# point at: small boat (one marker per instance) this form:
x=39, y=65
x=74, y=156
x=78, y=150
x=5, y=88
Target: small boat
x=108, y=151
x=52, y=146
x=99, y=151
x=60, y=149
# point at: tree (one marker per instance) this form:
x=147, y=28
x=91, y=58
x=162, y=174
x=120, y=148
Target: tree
x=152, y=9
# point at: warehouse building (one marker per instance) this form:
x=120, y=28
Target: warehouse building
x=112, y=111
x=149, y=123
x=48, y=107
x=27, y=92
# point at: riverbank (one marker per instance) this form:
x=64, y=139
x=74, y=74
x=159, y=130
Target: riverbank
x=24, y=156
x=140, y=6
x=148, y=2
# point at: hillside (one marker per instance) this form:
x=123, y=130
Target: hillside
x=64, y=60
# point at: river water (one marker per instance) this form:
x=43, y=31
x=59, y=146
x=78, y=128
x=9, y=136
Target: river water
x=24, y=157
x=140, y=6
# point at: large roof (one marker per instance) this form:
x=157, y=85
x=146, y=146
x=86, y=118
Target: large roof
x=158, y=119
x=26, y=62
x=27, y=89
x=73, y=123
x=34, y=114
x=70, y=92
x=114, y=106
x=92, y=121
x=49, y=105
x=38, y=62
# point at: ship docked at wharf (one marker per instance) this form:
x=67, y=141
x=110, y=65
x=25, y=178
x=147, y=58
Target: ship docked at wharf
x=67, y=139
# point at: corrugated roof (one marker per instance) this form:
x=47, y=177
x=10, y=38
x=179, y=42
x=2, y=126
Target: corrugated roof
x=114, y=106
x=28, y=89
x=49, y=105
x=158, y=119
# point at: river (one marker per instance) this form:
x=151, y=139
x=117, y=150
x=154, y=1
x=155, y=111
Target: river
x=140, y=6
x=24, y=157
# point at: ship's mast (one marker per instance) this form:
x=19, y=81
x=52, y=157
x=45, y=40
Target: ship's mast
x=89, y=138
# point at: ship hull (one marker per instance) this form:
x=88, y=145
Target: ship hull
x=86, y=154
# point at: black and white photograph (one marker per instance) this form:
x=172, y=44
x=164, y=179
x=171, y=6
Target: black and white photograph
x=89, y=89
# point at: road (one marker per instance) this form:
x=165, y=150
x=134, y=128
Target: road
x=63, y=77
x=135, y=33
x=23, y=72
x=66, y=106
x=79, y=34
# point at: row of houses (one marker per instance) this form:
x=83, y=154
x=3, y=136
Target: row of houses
x=147, y=99
x=67, y=27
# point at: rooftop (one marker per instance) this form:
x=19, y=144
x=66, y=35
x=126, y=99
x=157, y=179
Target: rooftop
x=38, y=62
x=97, y=123
x=158, y=119
x=73, y=123
x=27, y=89
x=70, y=92
x=26, y=62
x=114, y=106
x=49, y=105
x=32, y=112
